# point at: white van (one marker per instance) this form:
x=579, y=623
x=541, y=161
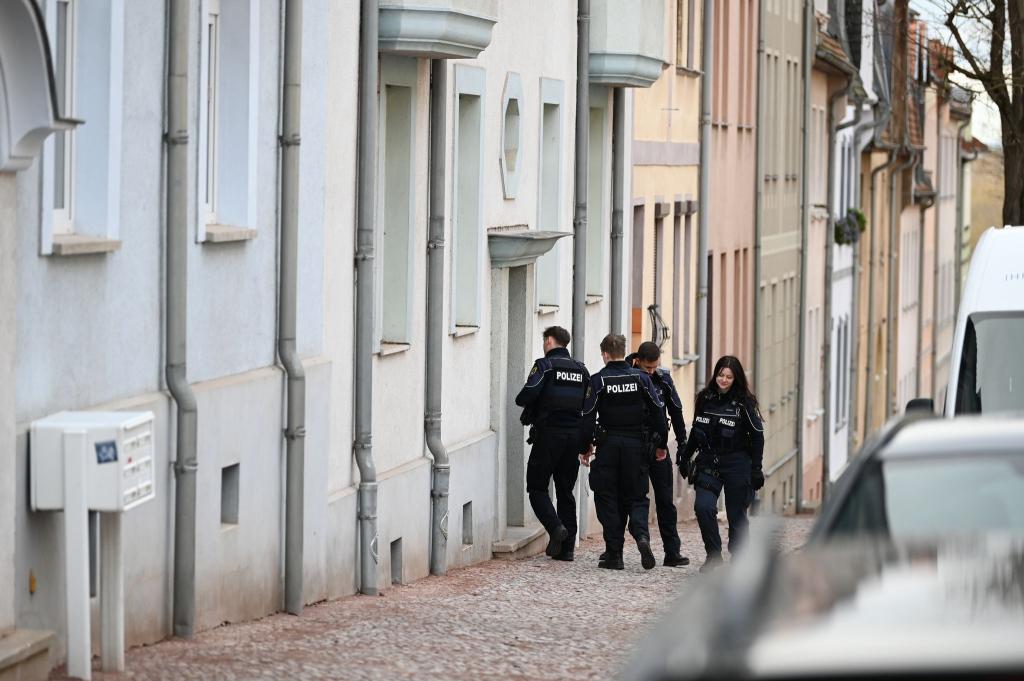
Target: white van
x=987, y=363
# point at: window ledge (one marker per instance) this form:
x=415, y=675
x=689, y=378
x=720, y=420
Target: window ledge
x=548, y=309
x=462, y=331
x=687, y=71
x=83, y=244
x=594, y=299
x=387, y=349
x=685, y=360
x=223, y=234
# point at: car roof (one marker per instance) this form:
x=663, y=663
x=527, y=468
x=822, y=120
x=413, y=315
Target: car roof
x=959, y=436
x=852, y=609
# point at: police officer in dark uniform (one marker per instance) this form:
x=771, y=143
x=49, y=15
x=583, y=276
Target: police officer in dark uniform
x=728, y=439
x=647, y=358
x=629, y=414
x=552, y=400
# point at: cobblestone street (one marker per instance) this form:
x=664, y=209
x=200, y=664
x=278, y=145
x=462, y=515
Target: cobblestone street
x=531, y=619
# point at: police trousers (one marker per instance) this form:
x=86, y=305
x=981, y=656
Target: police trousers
x=618, y=478
x=554, y=455
x=734, y=477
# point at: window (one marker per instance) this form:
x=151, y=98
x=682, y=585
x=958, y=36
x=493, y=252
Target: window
x=511, y=132
x=549, y=187
x=228, y=111
x=687, y=280
x=991, y=375
x=81, y=168
x=396, y=210
x=597, y=193
x=637, y=279
x=468, y=214
x=685, y=21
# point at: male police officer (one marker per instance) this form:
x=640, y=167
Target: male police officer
x=647, y=358
x=629, y=413
x=552, y=399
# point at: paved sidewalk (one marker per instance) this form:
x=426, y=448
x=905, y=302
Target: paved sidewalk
x=531, y=619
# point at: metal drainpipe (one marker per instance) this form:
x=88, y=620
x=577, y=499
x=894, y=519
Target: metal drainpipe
x=892, y=309
x=830, y=242
x=755, y=357
x=618, y=182
x=579, y=251
x=804, y=226
x=707, y=38
x=186, y=459
x=365, y=263
x=435, y=325
x=959, y=262
x=295, y=428
x=869, y=369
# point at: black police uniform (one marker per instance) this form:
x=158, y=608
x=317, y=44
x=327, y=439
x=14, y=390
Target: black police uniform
x=661, y=472
x=627, y=409
x=728, y=437
x=553, y=399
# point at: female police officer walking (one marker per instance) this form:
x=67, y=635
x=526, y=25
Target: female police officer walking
x=728, y=438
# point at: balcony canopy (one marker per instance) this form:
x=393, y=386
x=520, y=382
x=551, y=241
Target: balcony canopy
x=437, y=29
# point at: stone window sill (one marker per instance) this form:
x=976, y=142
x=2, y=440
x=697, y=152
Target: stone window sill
x=547, y=309
x=388, y=349
x=685, y=360
x=224, y=234
x=594, y=299
x=463, y=331
x=83, y=244
x=687, y=71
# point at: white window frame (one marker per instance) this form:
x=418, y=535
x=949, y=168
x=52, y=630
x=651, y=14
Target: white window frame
x=94, y=54
x=396, y=72
x=552, y=93
x=469, y=81
x=234, y=143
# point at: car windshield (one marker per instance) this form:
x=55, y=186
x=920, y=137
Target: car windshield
x=937, y=496
x=991, y=370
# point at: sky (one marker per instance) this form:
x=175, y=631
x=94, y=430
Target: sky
x=984, y=115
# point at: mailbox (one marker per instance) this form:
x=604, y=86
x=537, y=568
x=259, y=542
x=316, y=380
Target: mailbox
x=83, y=461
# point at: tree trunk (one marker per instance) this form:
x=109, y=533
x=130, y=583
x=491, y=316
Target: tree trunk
x=1013, y=177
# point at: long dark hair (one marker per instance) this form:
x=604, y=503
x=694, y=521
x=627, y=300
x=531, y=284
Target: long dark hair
x=740, y=389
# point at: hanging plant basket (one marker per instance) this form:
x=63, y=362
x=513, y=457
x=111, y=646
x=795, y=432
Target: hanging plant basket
x=849, y=227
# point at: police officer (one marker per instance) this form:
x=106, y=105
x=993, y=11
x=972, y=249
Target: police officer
x=728, y=438
x=553, y=399
x=628, y=413
x=647, y=358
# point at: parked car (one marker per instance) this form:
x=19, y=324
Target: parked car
x=928, y=477
x=862, y=610
x=986, y=372
x=914, y=569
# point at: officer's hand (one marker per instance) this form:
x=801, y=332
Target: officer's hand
x=585, y=459
x=757, y=479
x=681, y=463
x=660, y=454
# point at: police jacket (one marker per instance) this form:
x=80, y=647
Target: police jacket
x=624, y=401
x=555, y=390
x=662, y=380
x=722, y=424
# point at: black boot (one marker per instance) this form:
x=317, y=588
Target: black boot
x=556, y=537
x=611, y=560
x=675, y=560
x=646, y=555
x=713, y=561
x=568, y=553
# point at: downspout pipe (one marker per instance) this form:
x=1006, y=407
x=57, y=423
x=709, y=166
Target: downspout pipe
x=618, y=183
x=435, y=326
x=939, y=167
x=755, y=357
x=892, y=299
x=869, y=369
x=579, y=250
x=186, y=460
x=365, y=265
x=805, y=211
x=830, y=243
x=295, y=428
x=959, y=252
x=707, y=39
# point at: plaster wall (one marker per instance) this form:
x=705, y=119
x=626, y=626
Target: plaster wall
x=8, y=225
